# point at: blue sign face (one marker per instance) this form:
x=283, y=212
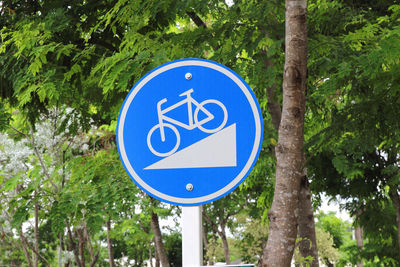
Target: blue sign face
x=189, y=132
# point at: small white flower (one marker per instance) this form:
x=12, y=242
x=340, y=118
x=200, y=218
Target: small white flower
x=85, y=147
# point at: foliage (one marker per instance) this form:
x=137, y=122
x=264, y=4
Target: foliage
x=67, y=66
x=327, y=252
x=173, y=244
x=218, y=250
x=353, y=116
x=252, y=235
x=326, y=247
x=337, y=228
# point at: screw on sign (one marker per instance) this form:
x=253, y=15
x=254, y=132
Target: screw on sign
x=189, y=132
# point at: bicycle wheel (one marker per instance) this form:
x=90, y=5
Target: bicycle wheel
x=170, y=152
x=201, y=107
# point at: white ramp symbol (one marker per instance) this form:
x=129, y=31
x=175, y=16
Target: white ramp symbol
x=217, y=150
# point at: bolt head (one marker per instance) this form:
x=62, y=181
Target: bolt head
x=189, y=187
x=188, y=76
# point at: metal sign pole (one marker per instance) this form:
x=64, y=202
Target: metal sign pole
x=192, y=245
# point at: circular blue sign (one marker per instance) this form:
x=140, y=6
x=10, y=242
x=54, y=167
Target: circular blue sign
x=189, y=132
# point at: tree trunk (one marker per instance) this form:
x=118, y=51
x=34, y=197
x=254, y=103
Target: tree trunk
x=73, y=246
x=358, y=233
x=109, y=244
x=221, y=233
x=81, y=246
x=157, y=258
x=396, y=203
x=155, y=226
x=36, y=232
x=226, y=246
x=204, y=232
x=93, y=256
x=212, y=247
x=94, y=260
x=306, y=222
x=150, y=256
x=25, y=247
x=274, y=107
x=308, y=244
x=60, y=251
x=283, y=214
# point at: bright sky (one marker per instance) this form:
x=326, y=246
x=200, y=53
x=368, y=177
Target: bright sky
x=334, y=206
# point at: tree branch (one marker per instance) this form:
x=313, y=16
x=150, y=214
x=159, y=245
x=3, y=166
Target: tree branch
x=25, y=247
x=23, y=239
x=200, y=23
x=97, y=41
x=274, y=107
x=213, y=225
x=45, y=171
x=73, y=245
x=32, y=141
x=236, y=211
x=196, y=19
x=96, y=257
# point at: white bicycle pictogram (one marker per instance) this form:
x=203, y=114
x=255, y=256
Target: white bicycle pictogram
x=192, y=123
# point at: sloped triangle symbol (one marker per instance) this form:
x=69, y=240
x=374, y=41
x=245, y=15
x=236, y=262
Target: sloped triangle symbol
x=217, y=150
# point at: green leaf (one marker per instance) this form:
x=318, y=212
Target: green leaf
x=11, y=183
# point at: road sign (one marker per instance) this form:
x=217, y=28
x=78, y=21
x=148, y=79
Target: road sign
x=189, y=132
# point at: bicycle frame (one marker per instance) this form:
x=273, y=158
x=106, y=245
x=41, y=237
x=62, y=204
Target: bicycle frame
x=188, y=100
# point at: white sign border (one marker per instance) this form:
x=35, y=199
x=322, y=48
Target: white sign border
x=238, y=178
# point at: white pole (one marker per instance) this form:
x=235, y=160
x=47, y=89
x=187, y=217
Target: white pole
x=192, y=245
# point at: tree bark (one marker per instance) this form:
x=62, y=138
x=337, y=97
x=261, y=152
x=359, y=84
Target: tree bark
x=274, y=107
x=396, y=202
x=155, y=226
x=25, y=247
x=81, y=242
x=226, y=246
x=358, y=233
x=204, y=233
x=36, y=232
x=306, y=221
x=88, y=242
x=157, y=259
x=196, y=19
x=150, y=256
x=39, y=156
x=283, y=214
x=60, y=250
x=214, y=240
x=94, y=260
x=73, y=246
x=109, y=244
x=308, y=244
x=221, y=233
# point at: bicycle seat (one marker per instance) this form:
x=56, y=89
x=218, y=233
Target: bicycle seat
x=188, y=92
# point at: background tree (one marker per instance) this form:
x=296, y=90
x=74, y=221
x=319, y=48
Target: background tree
x=358, y=146
x=327, y=252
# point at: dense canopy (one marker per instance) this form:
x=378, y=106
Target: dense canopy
x=66, y=67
